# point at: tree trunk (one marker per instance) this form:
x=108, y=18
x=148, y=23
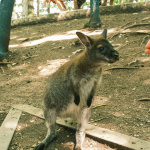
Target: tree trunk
x=120, y=2
x=75, y=4
x=38, y=7
x=6, y=8
x=95, y=20
x=30, y=8
x=24, y=8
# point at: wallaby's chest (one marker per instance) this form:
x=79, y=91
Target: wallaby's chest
x=86, y=86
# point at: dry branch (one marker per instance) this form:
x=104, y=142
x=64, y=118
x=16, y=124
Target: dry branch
x=127, y=68
x=130, y=55
x=147, y=18
x=118, y=68
x=130, y=32
x=136, y=25
x=123, y=30
x=115, y=35
x=98, y=106
x=121, y=27
x=136, y=32
x=2, y=69
x=5, y=63
x=143, y=40
x=126, y=44
x=144, y=99
x=96, y=120
x=25, y=58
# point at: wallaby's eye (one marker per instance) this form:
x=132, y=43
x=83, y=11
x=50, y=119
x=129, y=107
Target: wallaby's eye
x=101, y=48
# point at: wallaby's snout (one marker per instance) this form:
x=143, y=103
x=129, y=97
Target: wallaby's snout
x=114, y=56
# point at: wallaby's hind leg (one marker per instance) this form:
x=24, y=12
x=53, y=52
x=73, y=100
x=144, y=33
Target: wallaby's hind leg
x=50, y=117
x=81, y=125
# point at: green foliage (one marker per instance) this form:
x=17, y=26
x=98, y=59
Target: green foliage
x=87, y=3
x=86, y=25
x=19, y=5
x=53, y=6
x=70, y=8
x=116, y=1
x=42, y=10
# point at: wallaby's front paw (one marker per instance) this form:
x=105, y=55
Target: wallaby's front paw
x=78, y=148
x=40, y=147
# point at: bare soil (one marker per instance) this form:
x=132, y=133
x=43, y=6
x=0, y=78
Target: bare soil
x=38, y=50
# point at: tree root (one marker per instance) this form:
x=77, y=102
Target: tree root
x=5, y=63
x=127, y=68
x=144, y=99
x=126, y=44
x=2, y=69
x=133, y=33
x=123, y=29
x=136, y=25
x=143, y=40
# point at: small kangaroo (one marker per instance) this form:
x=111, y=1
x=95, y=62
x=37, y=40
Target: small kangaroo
x=71, y=88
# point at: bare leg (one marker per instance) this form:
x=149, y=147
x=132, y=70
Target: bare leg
x=63, y=5
x=48, y=4
x=80, y=133
x=75, y=4
x=105, y=3
x=50, y=117
x=44, y=3
x=58, y=4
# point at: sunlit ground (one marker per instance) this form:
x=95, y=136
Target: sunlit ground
x=67, y=36
x=59, y=37
x=51, y=67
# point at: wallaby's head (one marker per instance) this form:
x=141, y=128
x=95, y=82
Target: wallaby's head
x=99, y=50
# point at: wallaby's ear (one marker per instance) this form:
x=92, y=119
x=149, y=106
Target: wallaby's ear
x=104, y=34
x=87, y=41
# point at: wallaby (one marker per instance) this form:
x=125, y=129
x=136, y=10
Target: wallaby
x=71, y=88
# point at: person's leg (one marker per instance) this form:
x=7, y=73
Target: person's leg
x=44, y=3
x=111, y=2
x=48, y=4
x=58, y=5
x=105, y=3
x=63, y=5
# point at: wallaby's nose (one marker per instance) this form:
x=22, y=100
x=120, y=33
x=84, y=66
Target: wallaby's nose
x=115, y=55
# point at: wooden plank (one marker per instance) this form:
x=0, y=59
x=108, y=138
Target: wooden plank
x=8, y=127
x=30, y=109
x=101, y=133
x=108, y=135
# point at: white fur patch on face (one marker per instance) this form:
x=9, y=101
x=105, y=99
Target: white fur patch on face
x=107, y=59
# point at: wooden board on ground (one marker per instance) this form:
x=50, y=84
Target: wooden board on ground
x=98, y=132
x=8, y=127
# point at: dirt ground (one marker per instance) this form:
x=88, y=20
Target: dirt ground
x=38, y=50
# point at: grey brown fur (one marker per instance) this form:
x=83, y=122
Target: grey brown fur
x=72, y=86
